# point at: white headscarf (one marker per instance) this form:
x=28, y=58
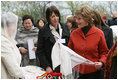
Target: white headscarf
x=9, y=20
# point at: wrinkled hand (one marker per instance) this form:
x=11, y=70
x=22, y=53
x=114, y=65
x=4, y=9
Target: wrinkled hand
x=48, y=69
x=98, y=65
x=23, y=50
x=34, y=49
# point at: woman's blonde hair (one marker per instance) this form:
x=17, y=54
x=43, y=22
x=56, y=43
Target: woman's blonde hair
x=86, y=12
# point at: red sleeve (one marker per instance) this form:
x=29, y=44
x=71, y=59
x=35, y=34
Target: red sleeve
x=103, y=49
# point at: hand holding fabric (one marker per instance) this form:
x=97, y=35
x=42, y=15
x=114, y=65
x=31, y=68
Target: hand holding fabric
x=98, y=65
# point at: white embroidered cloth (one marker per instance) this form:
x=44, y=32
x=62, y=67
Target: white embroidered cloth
x=66, y=58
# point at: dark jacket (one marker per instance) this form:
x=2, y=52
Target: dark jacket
x=46, y=41
x=113, y=21
x=108, y=36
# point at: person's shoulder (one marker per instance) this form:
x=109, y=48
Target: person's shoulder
x=107, y=29
x=36, y=29
x=99, y=31
x=65, y=28
x=44, y=29
x=20, y=28
x=63, y=25
x=5, y=41
x=76, y=31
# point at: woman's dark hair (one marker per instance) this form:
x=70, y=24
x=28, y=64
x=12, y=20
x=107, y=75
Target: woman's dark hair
x=98, y=21
x=28, y=17
x=49, y=12
x=39, y=20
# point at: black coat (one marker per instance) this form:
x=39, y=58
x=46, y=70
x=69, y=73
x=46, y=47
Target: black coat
x=108, y=36
x=113, y=21
x=46, y=41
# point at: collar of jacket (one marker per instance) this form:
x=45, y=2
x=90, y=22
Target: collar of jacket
x=91, y=31
x=48, y=34
x=55, y=33
x=85, y=29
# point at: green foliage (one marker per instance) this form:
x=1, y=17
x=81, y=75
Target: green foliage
x=37, y=8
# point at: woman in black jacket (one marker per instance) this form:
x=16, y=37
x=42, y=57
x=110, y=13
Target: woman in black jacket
x=48, y=35
x=104, y=27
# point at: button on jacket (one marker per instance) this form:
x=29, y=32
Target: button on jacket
x=92, y=46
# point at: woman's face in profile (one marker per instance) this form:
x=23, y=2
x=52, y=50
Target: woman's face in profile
x=80, y=21
x=28, y=24
x=54, y=19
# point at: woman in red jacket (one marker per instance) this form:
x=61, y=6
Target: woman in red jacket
x=89, y=42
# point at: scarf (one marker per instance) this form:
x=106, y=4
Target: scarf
x=23, y=35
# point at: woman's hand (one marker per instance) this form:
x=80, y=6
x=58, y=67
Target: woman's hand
x=48, y=69
x=23, y=50
x=34, y=49
x=98, y=65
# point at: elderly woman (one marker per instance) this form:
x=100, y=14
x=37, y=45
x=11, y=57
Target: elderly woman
x=10, y=55
x=89, y=42
x=48, y=35
x=25, y=33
